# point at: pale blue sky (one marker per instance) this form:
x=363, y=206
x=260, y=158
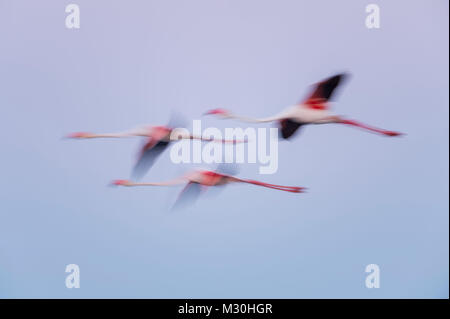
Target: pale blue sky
x=371, y=199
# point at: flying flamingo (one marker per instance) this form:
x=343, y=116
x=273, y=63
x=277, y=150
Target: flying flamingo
x=157, y=140
x=200, y=180
x=313, y=110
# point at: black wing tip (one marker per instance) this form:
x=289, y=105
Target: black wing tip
x=339, y=78
x=326, y=89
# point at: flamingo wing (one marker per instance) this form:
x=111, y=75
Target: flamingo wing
x=188, y=195
x=288, y=128
x=324, y=91
x=150, y=152
x=229, y=169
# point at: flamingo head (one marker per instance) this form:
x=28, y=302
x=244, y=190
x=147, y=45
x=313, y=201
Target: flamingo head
x=120, y=182
x=219, y=112
x=79, y=135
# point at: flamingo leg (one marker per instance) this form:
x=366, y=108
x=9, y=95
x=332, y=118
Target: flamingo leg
x=206, y=139
x=369, y=128
x=292, y=189
x=187, y=136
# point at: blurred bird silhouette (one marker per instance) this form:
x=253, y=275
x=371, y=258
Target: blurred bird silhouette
x=198, y=181
x=157, y=139
x=313, y=110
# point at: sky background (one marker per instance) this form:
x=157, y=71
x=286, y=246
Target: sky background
x=371, y=199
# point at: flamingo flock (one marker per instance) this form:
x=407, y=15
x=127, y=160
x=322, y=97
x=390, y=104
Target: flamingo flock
x=315, y=109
